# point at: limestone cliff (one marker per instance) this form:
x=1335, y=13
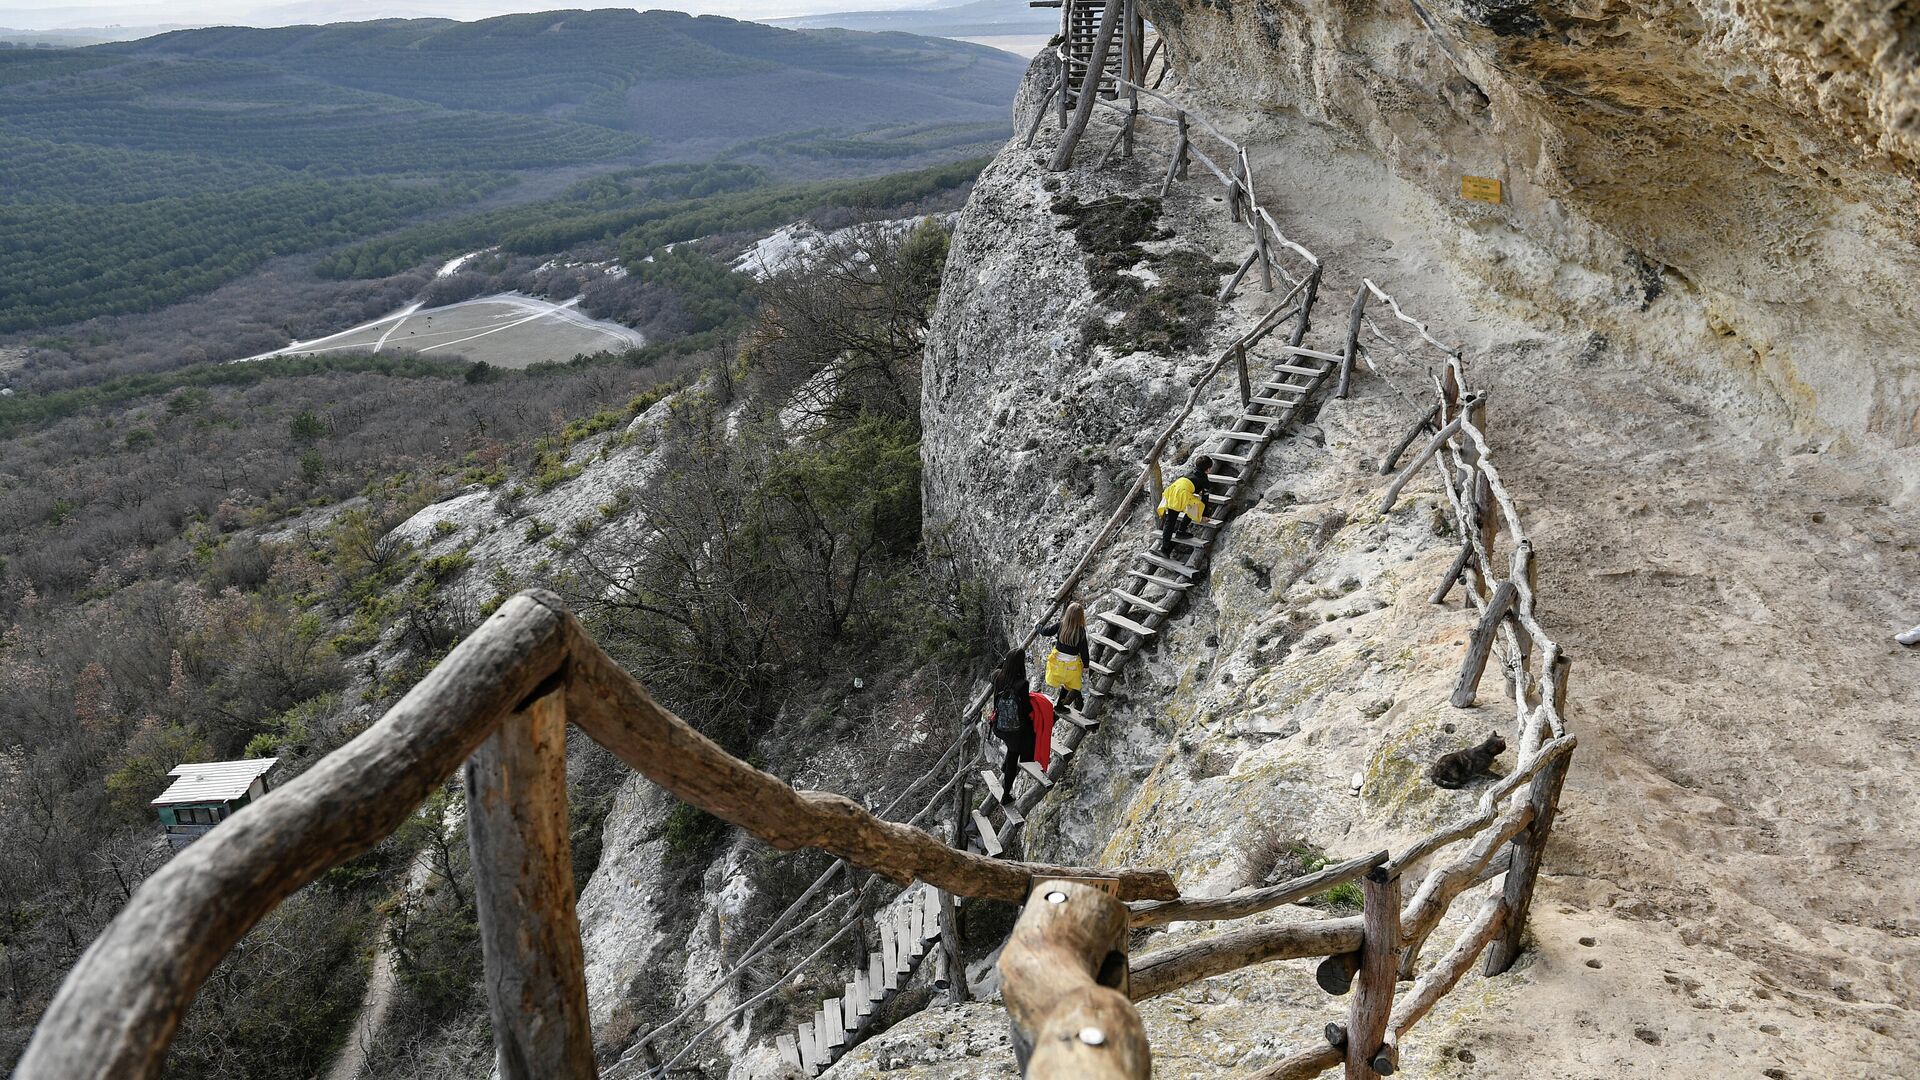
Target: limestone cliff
x=1718, y=184
x=1690, y=308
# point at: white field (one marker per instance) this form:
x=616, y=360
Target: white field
x=505, y=330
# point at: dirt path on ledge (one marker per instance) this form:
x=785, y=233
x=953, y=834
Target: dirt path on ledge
x=1742, y=826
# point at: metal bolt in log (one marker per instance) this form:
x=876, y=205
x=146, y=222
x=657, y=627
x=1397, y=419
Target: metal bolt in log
x=523, y=894
x=1063, y=976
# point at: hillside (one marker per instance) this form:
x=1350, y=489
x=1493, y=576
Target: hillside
x=138, y=174
x=657, y=74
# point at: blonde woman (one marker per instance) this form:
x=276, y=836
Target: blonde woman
x=1067, y=660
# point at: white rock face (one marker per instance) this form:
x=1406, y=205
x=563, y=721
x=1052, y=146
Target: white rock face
x=1725, y=186
x=1727, y=891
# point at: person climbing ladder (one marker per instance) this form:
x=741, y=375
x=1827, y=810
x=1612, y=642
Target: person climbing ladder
x=1012, y=716
x=1067, y=660
x=1184, y=500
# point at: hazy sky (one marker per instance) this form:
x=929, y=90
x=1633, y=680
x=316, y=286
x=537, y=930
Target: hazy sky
x=23, y=16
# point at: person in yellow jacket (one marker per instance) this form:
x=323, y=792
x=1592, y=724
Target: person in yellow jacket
x=1067, y=660
x=1184, y=501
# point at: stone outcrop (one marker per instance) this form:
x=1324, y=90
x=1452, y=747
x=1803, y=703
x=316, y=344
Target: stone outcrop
x=1727, y=185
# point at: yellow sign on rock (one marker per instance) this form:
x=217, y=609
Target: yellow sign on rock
x=1480, y=188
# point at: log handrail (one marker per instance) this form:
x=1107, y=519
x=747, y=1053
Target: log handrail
x=119, y=1007
x=1063, y=976
x=1507, y=842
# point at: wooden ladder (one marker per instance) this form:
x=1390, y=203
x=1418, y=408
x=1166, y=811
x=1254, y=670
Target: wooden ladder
x=1131, y=616
x=909, y=931
x=1083, y=27
x=1127, y=617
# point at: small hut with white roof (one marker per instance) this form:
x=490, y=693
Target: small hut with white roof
x=204, y=794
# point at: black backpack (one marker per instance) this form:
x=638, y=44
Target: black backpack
x=1006, y=715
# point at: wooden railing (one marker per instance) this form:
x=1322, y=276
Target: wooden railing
x=1508, y=828
x=499, y=702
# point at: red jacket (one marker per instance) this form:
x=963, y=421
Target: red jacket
x=1042, y=729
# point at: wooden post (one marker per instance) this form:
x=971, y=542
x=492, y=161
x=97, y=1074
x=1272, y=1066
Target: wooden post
x=1159, y=484
x=1186, y=138
x=523, y=892
x=1460, y=562
x=1260, y=249
x=1483, y=487
x=1040, y=110
x=1063, y=975
x=1259, y=226
x=1307, y=296
x=1246, y=385
x=1522, y=873
x=1393, y=458
x=1129, y=43
x=1354, y=315
x=1379, y=963
x=949, y=923
x=1481, y=644
x=1089, y=88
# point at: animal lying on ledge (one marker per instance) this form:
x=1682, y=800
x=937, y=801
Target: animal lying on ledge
x=1457, y=770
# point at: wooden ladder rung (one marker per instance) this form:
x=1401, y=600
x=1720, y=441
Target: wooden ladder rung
x=836, y=1024
x=931, y=897
x=1197, y=543
x=1295, y=369
x=1223, y=478
x=1137, y=601
x=789, y=1051
x=859, y=998
x=1257, y=418
x=1117, y=619
x=913, y=929
x=1077, y=719
x=1232, y=459
x=987, y=836
x=1108, y=642
x=1314, y=354
x=1272, y=403
x=1033, y=769
x=809, y=1050
x=1166, y=583
x=992, y=780
x=889, y=957
x=876, y=979
x=1099, y=668
x=1165, y=563
x=1286, y=387
x=1014, y=817
x=1062, y=750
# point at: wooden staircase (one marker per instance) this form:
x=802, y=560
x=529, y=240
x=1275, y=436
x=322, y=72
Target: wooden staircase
x=909, y=928
x=1130, y=617
x=1126, y=619
x=1082, y=19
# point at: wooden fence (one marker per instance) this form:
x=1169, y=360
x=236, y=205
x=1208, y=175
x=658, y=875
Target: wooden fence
x=1369, y=955
x=500, y=703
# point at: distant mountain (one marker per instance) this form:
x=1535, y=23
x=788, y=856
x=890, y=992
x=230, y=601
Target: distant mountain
x=134, y=174
x=662, y=74
x=962, y=19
